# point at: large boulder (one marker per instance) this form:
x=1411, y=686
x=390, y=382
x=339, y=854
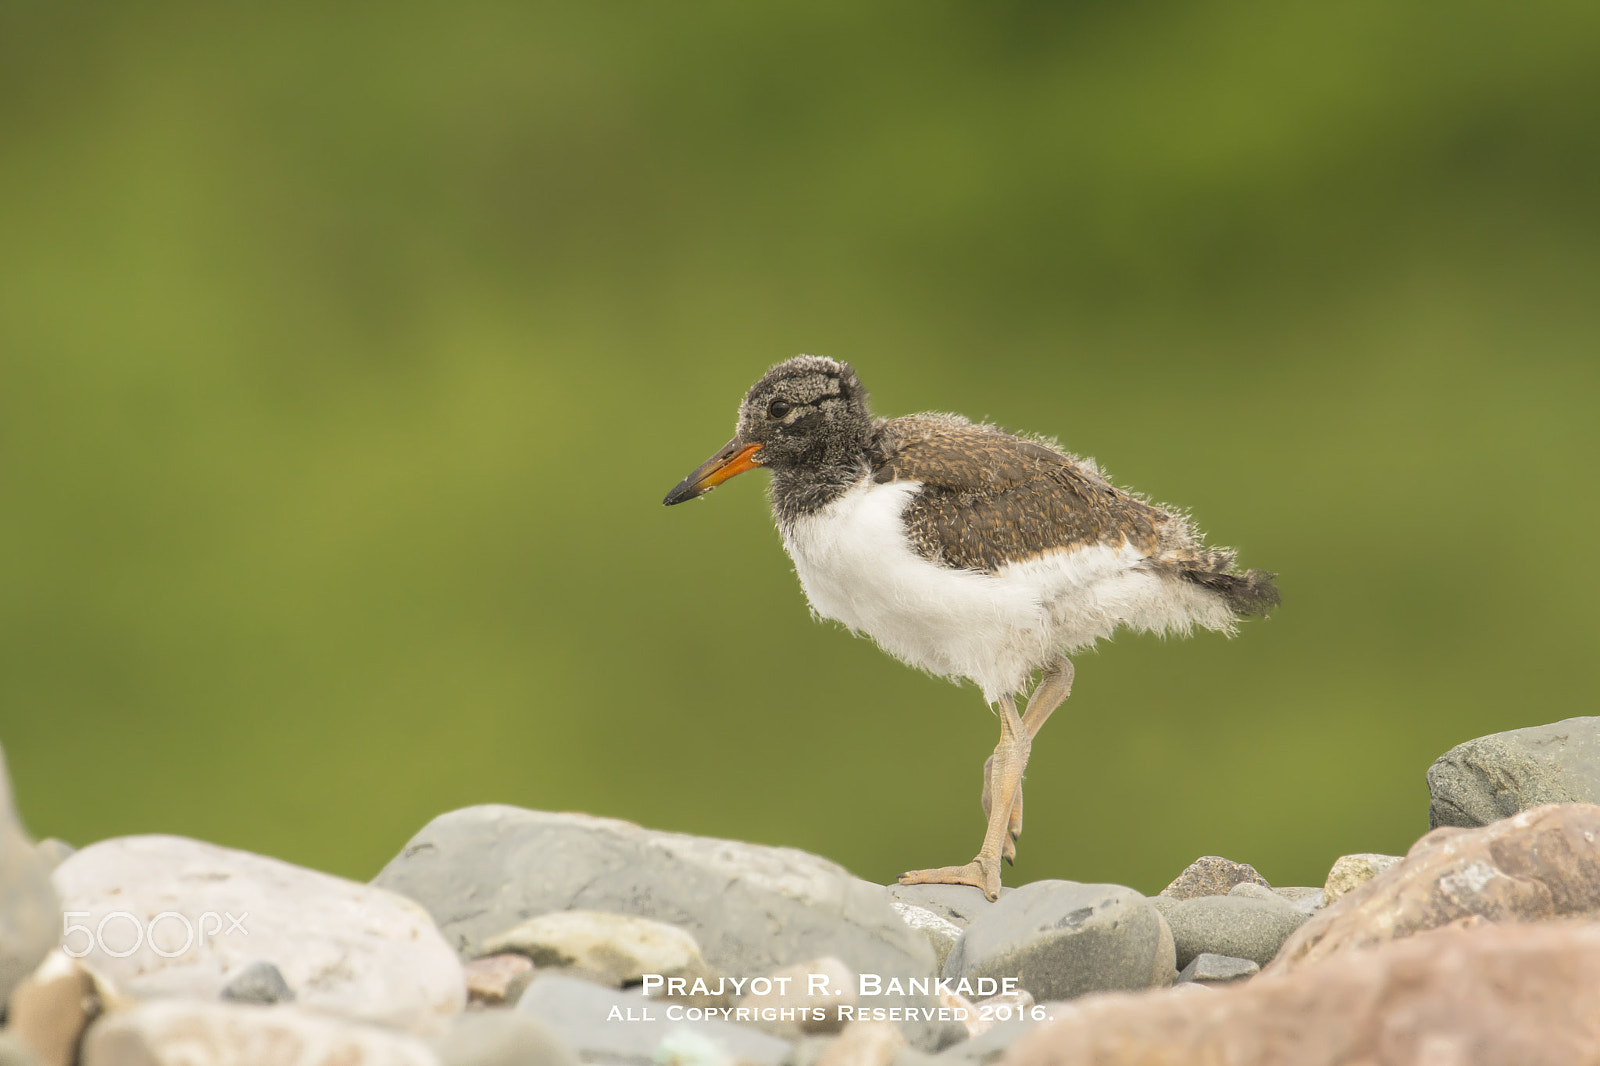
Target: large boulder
x=170, y=916
x=753, y=909
x=1497, y=776
x=1528, y=995
x=1535, y=866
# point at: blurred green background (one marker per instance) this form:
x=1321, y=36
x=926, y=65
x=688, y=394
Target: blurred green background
x=346, y=352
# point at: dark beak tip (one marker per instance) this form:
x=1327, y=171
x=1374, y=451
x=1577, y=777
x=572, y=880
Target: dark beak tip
x=681, y=493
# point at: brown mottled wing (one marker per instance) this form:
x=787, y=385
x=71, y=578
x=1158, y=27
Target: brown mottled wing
x=989, y=498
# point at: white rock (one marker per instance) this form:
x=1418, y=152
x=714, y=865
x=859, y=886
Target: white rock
x=941, y=932
x=200, y=913
x=618, y=948
x=180, y=1032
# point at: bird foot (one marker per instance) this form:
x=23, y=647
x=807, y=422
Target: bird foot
x=976, y=873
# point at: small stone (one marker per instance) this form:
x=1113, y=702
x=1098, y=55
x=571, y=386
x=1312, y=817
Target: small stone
x=615, y=1025
x=942, y=933
x=495, y=980
x=1062, y=939
x=1207, y=968
x=1237, y=926
x=30, y=914
x=837, y=984
x=864, y=1043
x=51, y=1007
x=1212, y=875
x=260, y=982
x=615, y=949
x=1305, y=899
x=1251, y=890
x=346, y=948
x=501, y=1038
x=1352, y=871
x=1494, y=777
x=185, y=1032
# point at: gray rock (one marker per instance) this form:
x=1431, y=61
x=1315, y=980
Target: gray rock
x=1061, y=939
x=624, y=1026
x=753, y=909
x=1496, y=776
x=954, y=903
x=1303, y=898
x=1163, y=904
x=345, y=948
x=502, y=1038
x=260, y=982
x=1238, y=926
x=1212, y=875
x=184, y=1032
x=1210, y=969
x=30, y=914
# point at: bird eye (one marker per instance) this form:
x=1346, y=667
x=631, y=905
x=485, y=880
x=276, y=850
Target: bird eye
x=778, y=408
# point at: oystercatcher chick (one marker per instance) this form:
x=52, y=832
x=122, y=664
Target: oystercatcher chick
x=971, y=553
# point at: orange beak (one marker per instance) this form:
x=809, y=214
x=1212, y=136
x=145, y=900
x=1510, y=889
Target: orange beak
x=735, y=457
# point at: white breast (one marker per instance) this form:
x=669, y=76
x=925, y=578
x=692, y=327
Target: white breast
x=857, y=566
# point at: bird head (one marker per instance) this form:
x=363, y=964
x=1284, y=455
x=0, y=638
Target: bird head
x=806, y=411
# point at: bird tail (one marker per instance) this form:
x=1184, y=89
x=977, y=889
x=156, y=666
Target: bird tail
x=1249, y=593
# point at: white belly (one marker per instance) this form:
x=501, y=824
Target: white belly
x=857, y=567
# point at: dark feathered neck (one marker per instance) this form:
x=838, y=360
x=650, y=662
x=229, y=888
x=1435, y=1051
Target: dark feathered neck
x=805, y=488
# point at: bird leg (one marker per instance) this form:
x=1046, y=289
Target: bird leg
x=1053, y=689
x=1009, y=759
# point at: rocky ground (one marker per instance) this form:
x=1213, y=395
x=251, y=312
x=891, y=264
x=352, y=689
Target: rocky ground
x=508, y=936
